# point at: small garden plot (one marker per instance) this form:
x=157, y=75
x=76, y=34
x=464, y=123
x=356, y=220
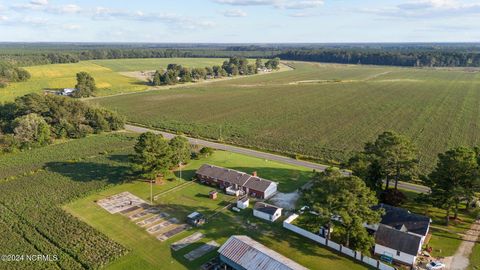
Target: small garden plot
x=199, y=252
x=149, y=221
x=120, y=202
x=164, y=224
x=172, y=232
x=131, y=210
x=148, y=211
x=187, y=241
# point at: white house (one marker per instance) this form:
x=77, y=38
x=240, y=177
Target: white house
x=398, y=245
x=400, y=234
x=243, y=202
x=267, y=211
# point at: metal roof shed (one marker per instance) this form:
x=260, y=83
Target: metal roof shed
x=242, y=252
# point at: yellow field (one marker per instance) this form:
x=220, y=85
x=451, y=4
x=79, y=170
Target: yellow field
x=105, y=72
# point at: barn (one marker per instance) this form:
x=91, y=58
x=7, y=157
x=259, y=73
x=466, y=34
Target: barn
x=224, y=178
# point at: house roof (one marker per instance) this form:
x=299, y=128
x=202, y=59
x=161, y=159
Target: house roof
x=252, y=255
x=195, y=215
x=244, y=199
x=266, y=208
x=235, y=177
x=398, y=240
x=402, y=219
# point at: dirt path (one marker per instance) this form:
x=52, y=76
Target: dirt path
x=460, y=260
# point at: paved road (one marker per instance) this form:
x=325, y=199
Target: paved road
x=263, y=155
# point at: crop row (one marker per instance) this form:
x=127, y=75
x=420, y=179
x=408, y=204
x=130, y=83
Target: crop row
x=324, y=111
x=30, y=205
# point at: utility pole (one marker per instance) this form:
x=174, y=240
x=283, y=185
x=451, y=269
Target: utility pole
x=180, y=166
x=151, y=191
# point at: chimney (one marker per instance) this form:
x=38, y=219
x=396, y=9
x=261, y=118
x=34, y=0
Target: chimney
x=254, y=174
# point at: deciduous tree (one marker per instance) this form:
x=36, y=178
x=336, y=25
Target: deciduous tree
x=31, y=131
x=181, y=150
x=85, y=85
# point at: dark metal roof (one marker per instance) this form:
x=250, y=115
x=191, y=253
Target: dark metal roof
x=251, y=255
x=266, y=208
x=398, y=240
x=400, y=218
x=235, y=177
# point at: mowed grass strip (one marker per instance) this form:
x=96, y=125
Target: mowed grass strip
x=319, y=110
x=146, y=252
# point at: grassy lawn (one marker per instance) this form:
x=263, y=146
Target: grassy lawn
x=146, y=252
x=321, y=110
x=475, y=257
x=445, y=240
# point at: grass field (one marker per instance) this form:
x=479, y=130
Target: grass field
x=148, y=253
x=475, y=257
x=105, y=72
x=321, y=110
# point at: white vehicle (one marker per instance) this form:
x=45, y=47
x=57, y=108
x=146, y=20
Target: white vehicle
x=435, y=266
x=236, y=209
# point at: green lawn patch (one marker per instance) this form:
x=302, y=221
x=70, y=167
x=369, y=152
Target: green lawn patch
x=475, y=257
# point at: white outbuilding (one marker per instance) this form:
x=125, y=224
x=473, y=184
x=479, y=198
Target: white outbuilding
x=267, y=211
x=243, y=203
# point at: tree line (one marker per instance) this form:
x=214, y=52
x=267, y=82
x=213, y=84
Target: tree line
x=234, y=66
x=347, y=202
x=408, y=58
x=11, y=73
x=37, y=120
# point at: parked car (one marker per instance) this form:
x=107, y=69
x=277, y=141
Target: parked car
x=435, y=266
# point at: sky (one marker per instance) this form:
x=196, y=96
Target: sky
x=240, y=21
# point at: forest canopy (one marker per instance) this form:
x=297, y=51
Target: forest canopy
x=10, y=73
x=35, y=120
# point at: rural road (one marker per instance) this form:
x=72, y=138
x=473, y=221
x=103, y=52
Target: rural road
x=460, y=260
x=262, y=155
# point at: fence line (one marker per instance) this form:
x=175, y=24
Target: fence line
x=287, y=224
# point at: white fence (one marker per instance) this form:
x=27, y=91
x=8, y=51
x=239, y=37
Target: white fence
x=344, y=250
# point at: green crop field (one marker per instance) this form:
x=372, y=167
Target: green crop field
x=146, y=252
x=106, y=73
x=320, y=110
x=35, y=184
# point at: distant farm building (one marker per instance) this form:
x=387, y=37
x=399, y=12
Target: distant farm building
x=67, y=91
x=267, y=211
x=237, y=182
x=243, y=253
